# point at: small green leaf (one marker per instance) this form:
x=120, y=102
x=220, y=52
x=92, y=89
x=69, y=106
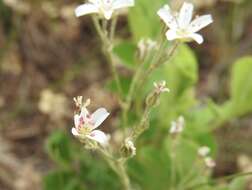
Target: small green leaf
x=126, y=53
x=143, y=18
x=58, y=148
x=241, y=87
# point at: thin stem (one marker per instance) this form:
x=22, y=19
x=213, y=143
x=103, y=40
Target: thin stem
x=107, y=50
x=158, y=63
x=212, y=182
x=113, y=27
x=123, y=174
x=118, y=166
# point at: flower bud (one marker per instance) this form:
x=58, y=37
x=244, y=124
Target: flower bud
x=210, y=163
x=177, y=126
x=203, y=151
x=128, y=149
x=152, y=99
x=145, y=46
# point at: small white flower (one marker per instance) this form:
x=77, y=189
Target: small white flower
x=204, y=151
x=161, y=87
x=177, y=126
x=103, y=7
x=181, y=25
x=210, y=163
x=86, y=123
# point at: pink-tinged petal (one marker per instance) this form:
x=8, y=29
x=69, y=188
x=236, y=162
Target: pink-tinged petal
x=185, y=15
x=76, y=120
x=117, y=4
x=200, y=22
x=171, y=35
x=75, y=132
x=197, y=37
x=99, y=136
x=166, y=15
x=99, y=116
x=85, y=9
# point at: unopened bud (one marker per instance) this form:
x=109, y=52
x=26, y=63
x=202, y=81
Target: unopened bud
x=203, y=151
x=177, y=126
x=128, y=149
x=210, y=163
x=152, y=99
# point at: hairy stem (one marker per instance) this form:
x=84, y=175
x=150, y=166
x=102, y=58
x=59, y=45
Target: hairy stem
x=107, y=50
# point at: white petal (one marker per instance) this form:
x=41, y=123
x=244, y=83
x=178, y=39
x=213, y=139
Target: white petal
x=117, y=4
x=185, y=15
x=166, y=15
x=108, y=14
x=197, y=37
x=76, y=120
x=99, y=116
x=75, y=132
x=200, y=22
x=171, y=35
x=99, y=136
x=86, y=9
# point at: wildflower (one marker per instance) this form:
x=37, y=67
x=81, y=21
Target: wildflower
x=177, y=126
x=103, y=7
x=210, y=163
x=181, y=25
x=204, y=151
x=128, y=149
x=86, y=123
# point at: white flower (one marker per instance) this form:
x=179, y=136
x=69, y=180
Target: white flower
x=177, y=126
x=210, y=163
x=161, y=87
x=86, y=123
x=204, y=151
x=103, y=7
x=181, y=25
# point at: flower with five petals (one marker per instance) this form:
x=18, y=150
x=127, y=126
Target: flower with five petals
x=85, y=124
x=180, y=24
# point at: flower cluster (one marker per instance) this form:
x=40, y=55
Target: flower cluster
x=86, y=123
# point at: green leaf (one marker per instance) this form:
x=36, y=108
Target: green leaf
x=126, y=53
x=241, y=87
x=125, y=84
x=151, y=168
x=143, y=18
x=60, y=179
x=59, y=148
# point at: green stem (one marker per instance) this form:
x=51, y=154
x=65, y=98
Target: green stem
x=158, y=63
x=118, y=166
x=107, y=50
